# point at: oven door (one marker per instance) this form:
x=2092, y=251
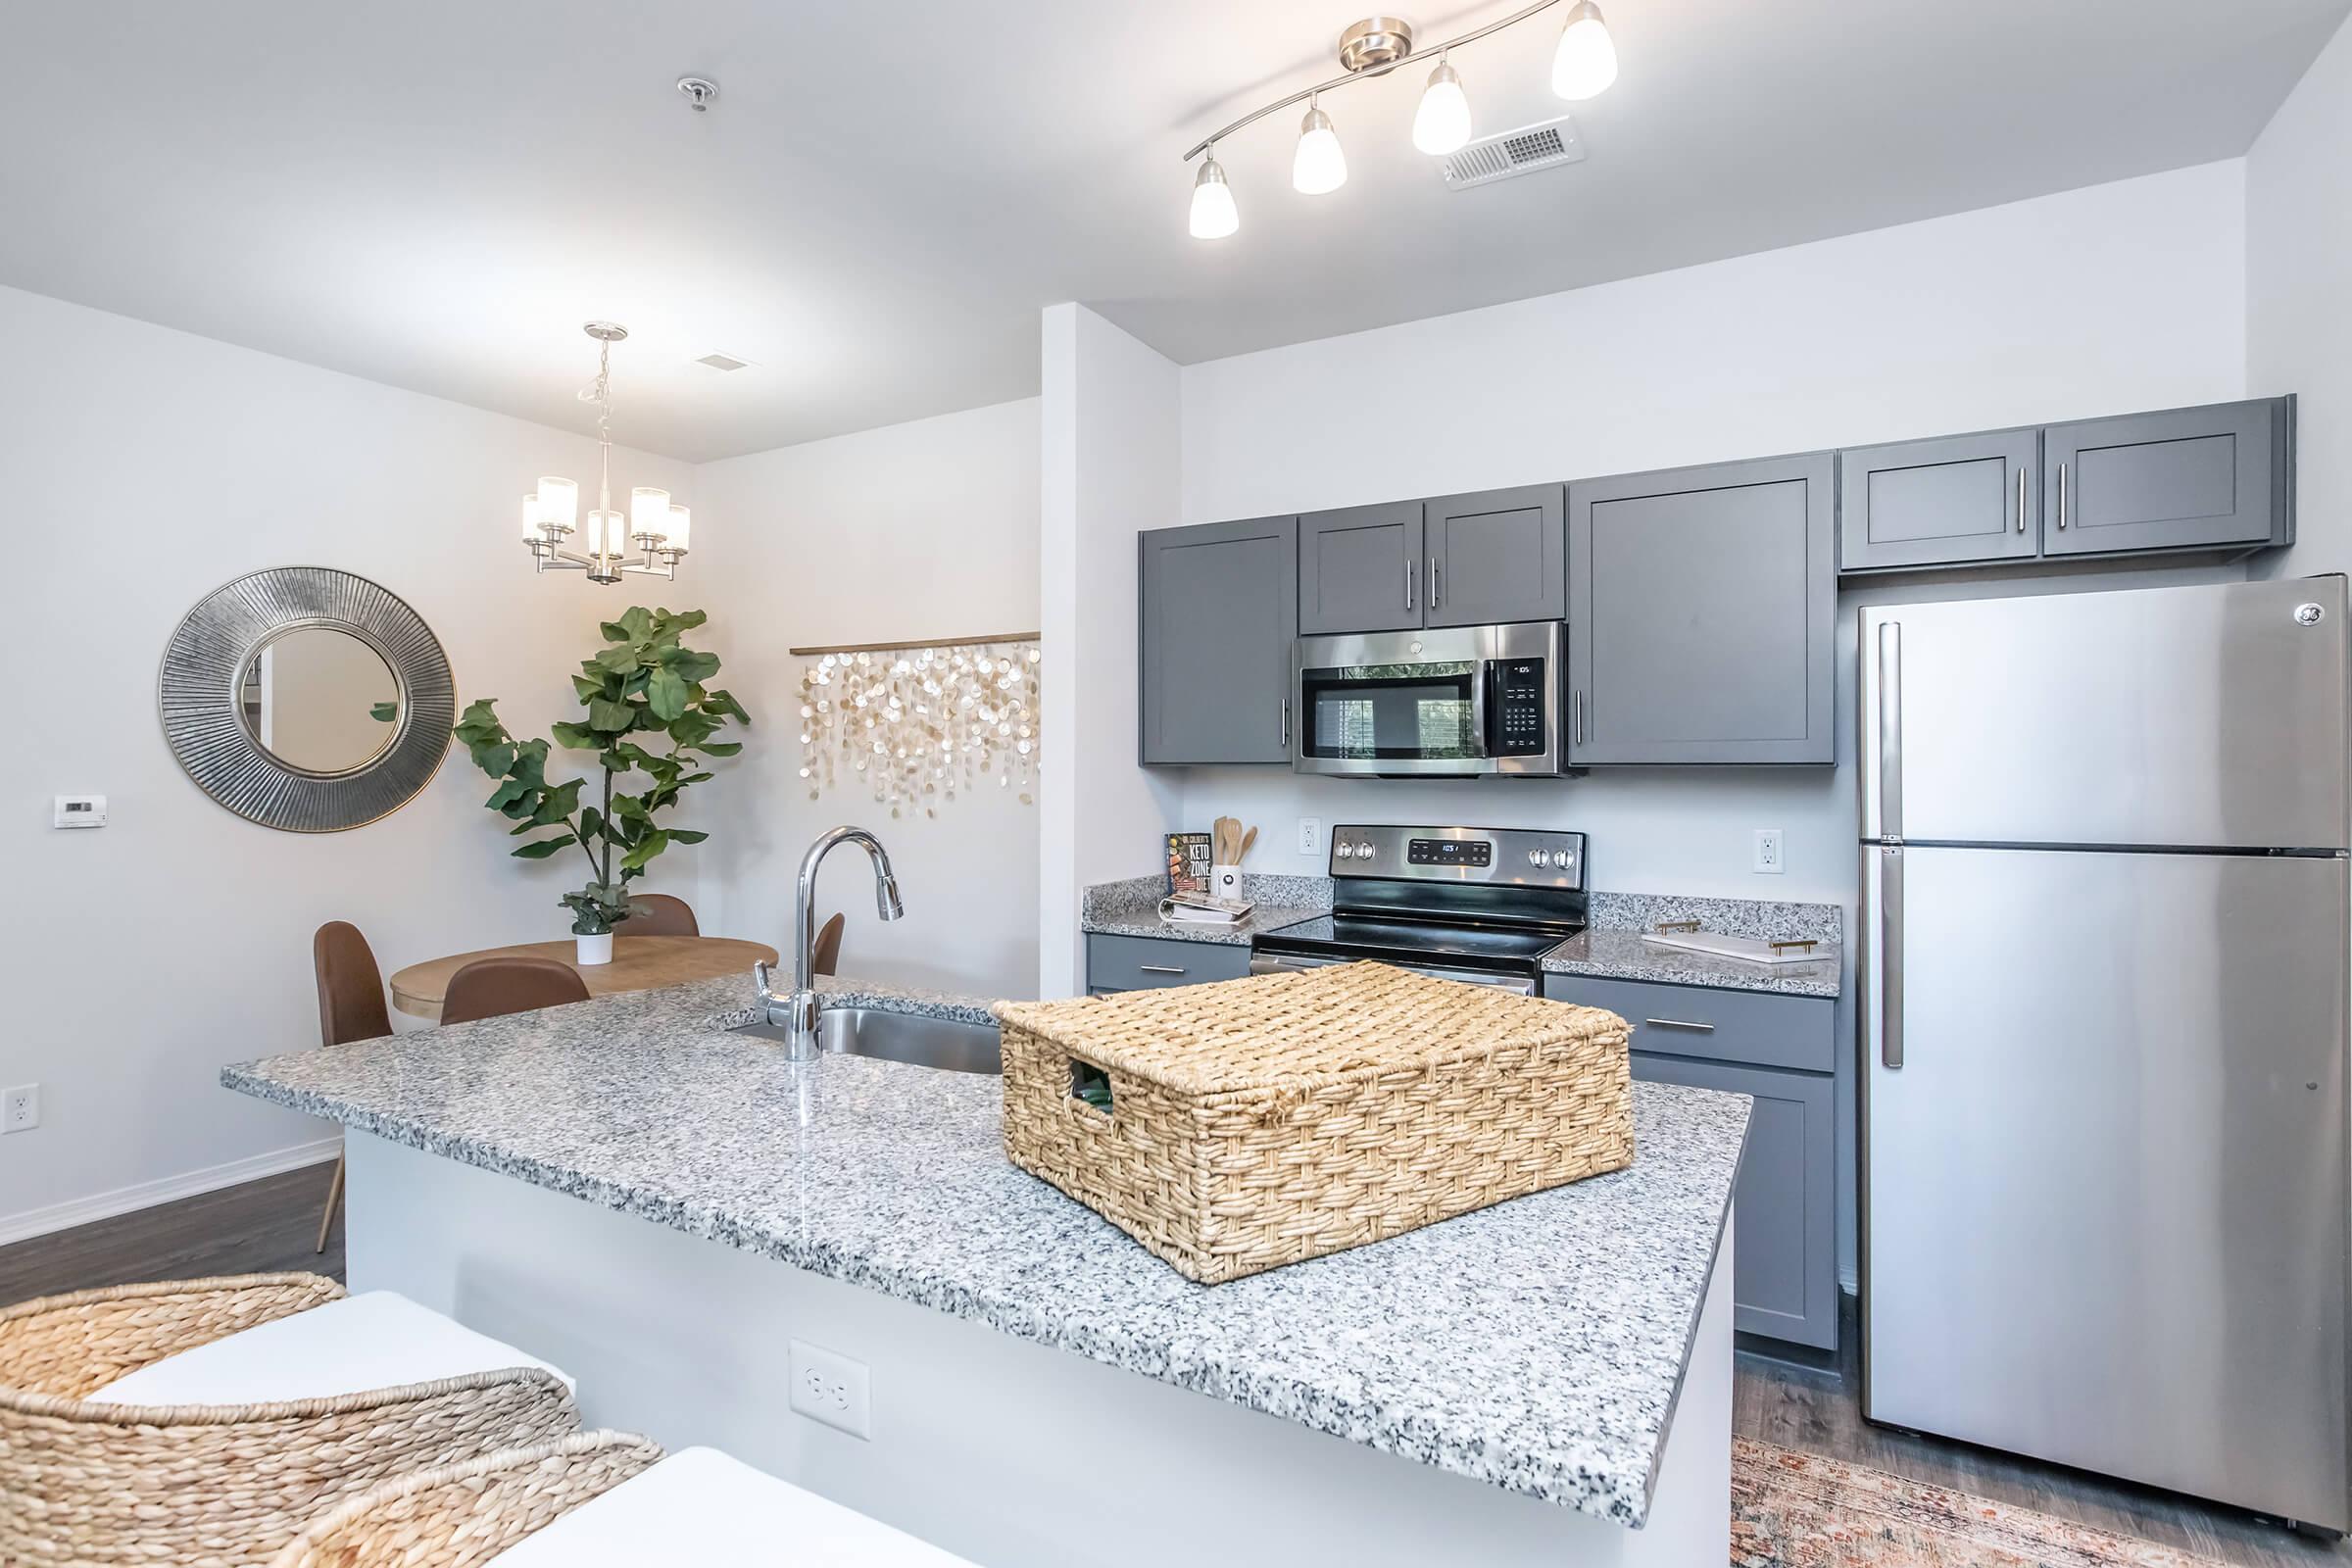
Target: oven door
x=1292, y=963
x=1461, y=700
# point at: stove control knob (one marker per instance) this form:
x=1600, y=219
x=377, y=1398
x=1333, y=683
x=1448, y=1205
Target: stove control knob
x=1345, y=851
x=1538, y=859
x=1363, y=851
x=1562, y=859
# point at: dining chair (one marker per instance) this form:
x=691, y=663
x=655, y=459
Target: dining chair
x=827, y=950
x=350, y=1007
x=490, y=988
x=659, y=914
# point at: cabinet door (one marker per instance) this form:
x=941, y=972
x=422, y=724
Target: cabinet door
x=1219, y=610
x=1359, y=569
x=1496, y=557
x=1701, y=603
x=2187, y=478
x=1784, y=1260
x=1964, y=497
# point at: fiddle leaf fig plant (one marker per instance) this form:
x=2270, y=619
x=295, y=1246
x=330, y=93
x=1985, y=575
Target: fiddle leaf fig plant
x=651, y=714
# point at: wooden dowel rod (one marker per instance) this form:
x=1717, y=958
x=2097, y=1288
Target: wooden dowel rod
x=922, y=642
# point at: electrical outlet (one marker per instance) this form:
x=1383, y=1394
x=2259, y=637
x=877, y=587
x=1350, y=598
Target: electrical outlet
x=21, y=1108
x=1768, y=852
x=831, y=1388
x=1310, y=835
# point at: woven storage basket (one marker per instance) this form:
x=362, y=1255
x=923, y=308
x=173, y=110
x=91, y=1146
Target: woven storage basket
x=1260, y=1122
x=212, y=1486
x=460, y=1515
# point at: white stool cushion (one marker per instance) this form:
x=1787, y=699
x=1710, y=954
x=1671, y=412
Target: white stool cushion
x=379, y=1340
x=701, y=1509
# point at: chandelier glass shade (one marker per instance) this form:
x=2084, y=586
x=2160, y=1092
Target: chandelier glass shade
x=647, y=540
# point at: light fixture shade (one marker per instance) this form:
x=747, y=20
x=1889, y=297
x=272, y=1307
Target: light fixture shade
x=605, y=533
x=558, y=502
x=1442, y=124
x=648, y=510
x=1214, y=214
x=1587, y=60
x=530, y=515
x=1318, y=165
x=679, y=519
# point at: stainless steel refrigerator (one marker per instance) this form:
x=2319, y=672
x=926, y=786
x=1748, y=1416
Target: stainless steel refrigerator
x=2104, y=1089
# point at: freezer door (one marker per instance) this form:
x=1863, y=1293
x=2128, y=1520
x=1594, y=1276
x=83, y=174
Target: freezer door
x=2105, y=1190
x=2209, y=716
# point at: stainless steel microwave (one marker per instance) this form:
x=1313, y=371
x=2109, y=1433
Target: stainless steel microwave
x=1446, y=702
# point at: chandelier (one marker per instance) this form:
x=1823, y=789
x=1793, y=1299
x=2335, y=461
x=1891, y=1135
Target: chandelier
x=1582, y=67
x=654, y=527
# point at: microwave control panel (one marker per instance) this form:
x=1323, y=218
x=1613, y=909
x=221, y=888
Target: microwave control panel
x=1518, y=698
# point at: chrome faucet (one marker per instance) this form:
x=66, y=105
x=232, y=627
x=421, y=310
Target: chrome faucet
x=797, y=1012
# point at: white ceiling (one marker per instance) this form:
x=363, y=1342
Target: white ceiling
x=436, y=193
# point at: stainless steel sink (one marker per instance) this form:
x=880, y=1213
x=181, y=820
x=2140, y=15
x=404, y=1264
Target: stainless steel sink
x=924, y=1041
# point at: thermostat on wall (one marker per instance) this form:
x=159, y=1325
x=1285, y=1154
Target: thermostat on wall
x=80, y=811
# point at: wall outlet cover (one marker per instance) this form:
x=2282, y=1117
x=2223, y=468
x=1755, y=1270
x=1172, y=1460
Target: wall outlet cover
x=831, y=1388
x=1310, y=835
x=77, y=810
x=1770, y=861
x=20, y=1108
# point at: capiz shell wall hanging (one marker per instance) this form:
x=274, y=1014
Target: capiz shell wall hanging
x=916, y=724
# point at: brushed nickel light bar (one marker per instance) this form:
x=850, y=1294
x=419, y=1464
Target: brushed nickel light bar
x=655, y=527
x=1583, y=65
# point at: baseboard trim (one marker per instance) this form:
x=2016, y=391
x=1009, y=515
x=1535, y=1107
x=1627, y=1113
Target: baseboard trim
x=146, y=1195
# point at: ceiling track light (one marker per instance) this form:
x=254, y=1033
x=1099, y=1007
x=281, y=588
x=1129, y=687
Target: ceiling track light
x=1583, y=66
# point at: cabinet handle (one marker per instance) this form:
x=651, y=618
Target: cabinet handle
x=1682, y=1023
x=1580, y=715
x=2062, y=468
x=1436, y=581
x=2021, y=499
x=1160, y=968
x=1285, y=724
x=1409, y=582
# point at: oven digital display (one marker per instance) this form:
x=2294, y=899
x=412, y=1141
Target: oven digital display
x=1449, y=851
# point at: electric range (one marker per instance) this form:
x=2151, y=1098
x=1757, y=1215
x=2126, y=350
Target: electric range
x=1475, y=903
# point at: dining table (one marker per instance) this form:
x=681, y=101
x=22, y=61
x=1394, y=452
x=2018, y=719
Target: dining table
x=639, y=964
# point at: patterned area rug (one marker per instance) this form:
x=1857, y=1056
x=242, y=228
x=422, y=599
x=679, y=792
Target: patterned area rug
x=1795, y=1510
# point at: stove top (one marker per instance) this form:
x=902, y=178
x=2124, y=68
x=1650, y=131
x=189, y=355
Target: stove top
x=1357, y=936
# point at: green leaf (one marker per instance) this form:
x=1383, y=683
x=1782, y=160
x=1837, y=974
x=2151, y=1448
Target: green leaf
x=689, y=665
x=575, y=737
x=480, y=715
x=718, y=749
x=685, y=835
x=543, y=849
x=636, y=624
x=384, y=713
x=592, y=823
x=494, y=758
x=530, y=763
x=588, y=691
x=629, y=805
x=667, y=693
x=618, y=661
x=723, y=701
x=507, y=794
x=691, y=728
x=687, y=619
x=646, y=849
x=610, y=717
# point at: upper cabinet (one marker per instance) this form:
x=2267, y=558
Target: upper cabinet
x=2218, y=477
x=1496, y=557
x=1948, y=502
x=2188, y=478
x=1359, y=569
x=1218, y=612
x=1701, y=616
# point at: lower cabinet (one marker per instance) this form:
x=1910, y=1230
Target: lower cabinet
x=1784, y=1260
x=1140, y=964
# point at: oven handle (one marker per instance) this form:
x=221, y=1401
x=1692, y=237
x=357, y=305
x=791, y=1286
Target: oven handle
x=1275, y=963
x=1482, y=711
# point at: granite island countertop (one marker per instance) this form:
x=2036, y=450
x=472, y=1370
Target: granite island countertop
x=1538, y=1346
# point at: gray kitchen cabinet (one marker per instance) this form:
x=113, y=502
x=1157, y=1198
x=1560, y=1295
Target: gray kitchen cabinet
x=1359, y=569
x=2185, y=478
x=1141, y=963
x=1496, y=557
x=1218, y=612
x=1954, y=501
x=1701, y=615
x=1785, y=1252
x=1756, y=1028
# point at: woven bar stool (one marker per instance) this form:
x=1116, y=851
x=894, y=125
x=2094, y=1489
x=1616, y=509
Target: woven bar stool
x=202, y=1422
x=600, y=1499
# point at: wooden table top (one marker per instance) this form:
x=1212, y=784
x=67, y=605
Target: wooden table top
x=639, y=964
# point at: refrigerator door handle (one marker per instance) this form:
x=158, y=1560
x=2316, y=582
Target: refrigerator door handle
x=1891, y=729
x=1888, y=969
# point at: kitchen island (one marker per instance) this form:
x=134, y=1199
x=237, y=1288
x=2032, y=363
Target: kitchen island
x=666, y=1209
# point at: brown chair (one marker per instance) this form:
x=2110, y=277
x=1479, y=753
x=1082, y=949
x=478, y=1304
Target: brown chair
x=658, y=914
x=490, y=988
x=827, y=950
x=350, y=1007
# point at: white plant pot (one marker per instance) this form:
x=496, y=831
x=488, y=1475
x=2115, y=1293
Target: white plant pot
x=594, y=950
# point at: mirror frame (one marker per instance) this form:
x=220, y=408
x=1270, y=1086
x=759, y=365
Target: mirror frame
x=198, y=693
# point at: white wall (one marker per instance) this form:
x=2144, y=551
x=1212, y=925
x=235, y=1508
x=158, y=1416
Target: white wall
x=144, y=468
x=2099, y=300
x=1109, y=440
x=917, y=530
x=2299, y=296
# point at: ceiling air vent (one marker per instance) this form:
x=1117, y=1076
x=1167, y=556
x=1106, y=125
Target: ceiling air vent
x=721, y=362
x=1544, y=145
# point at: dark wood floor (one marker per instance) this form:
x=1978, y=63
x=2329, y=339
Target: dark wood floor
x=270, y=1224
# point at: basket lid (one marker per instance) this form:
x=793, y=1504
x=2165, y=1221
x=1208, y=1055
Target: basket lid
x=1336, y=1021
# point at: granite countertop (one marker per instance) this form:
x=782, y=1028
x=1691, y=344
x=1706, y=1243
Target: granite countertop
x=1130, y=908
x=1538, y=1344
